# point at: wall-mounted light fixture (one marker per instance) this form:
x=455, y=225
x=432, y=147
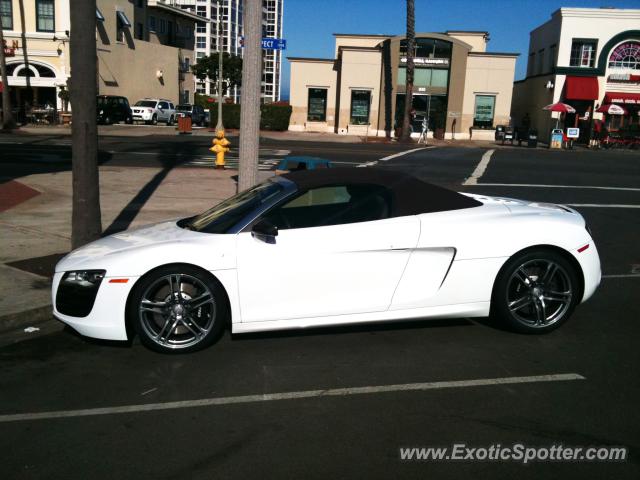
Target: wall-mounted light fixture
x=159, y=73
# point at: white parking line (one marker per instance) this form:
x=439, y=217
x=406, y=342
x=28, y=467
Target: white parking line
x=270, y=397
x=602, y=205
x=529, y=185
x=480, y=169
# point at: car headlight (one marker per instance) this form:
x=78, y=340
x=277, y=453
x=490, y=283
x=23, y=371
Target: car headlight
x=101, y=112
x=84, y=278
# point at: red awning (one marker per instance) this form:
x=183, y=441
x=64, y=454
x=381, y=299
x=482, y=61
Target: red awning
x=581, y=88
x=624, y=98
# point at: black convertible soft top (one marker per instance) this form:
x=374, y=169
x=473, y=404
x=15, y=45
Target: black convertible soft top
x=411, y=196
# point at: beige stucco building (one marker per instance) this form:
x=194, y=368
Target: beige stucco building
x=144, y=49
x=459, y=88
x=584, y=57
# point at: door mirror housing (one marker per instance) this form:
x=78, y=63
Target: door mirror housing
x=265, y=231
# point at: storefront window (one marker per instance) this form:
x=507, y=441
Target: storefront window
x=360, y=103
x=425, y=77
x=45, y=21
x=583, y=53
x=483, y=116
x=6, y=12
x=626, y=55
x=317, y=106
x=428, y=48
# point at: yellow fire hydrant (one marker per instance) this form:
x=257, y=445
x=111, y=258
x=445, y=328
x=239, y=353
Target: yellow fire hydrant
x=220, y=147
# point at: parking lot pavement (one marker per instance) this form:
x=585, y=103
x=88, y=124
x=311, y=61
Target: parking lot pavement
x=328, y=435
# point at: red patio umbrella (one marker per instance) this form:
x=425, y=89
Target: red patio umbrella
x=612, y=109
x=560, y=107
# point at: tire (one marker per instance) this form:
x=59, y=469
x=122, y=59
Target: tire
x=154, y=119
x=170, y=121
x=178, y=309
x=536, y=291
x=107, y=120
x=129, y=121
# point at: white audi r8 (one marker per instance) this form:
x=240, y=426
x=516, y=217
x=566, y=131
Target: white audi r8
x=330, y=247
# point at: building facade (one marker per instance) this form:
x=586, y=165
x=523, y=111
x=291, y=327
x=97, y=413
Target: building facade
x=459, y=89
x=226, y=20
x=144, y=49
x=585, y=57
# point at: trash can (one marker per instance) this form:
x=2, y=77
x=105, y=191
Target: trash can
x=532, y=138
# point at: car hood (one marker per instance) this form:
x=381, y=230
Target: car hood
x=105, y=250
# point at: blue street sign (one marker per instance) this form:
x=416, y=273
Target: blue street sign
x=274, y=44
x=270, y=43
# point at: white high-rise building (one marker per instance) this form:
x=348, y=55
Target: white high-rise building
x=226, y=18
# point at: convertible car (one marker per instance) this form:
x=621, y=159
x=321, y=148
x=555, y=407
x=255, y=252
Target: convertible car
x=330, y=247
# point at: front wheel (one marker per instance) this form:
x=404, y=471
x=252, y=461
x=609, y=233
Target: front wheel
x=178, y=308
x=536, y=292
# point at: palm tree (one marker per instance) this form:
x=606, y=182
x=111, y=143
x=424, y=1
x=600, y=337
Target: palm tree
x=408, y=96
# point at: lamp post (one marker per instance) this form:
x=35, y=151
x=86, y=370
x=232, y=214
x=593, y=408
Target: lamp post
x=219, y=125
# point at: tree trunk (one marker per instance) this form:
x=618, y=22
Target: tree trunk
x=23, y=36
x=7, y=115
x=408, y=98
x=250, y=98
x=86, y=223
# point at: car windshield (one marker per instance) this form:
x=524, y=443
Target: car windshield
x=183, y=108
x=225, y=215
x=145, y=103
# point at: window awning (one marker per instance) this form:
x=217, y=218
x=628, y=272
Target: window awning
x=581, y=88
x=625, y=98
x=122, y=18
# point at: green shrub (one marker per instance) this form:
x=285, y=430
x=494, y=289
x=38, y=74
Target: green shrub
x=275, y=117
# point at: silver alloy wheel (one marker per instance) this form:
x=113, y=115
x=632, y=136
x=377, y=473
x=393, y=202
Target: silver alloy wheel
x=177, y=311
x=539, y=293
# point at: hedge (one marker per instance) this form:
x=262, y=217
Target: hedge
x=272, y=116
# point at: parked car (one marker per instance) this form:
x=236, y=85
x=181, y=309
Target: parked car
x=154, y=110
x=330, y=247
x=196, y=112
x=294, y=163
x=113, y=109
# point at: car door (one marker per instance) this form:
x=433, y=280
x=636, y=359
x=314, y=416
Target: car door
x=163, y=111
x=337, y=252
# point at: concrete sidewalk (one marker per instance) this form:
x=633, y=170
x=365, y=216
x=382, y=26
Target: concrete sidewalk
x=36, y=232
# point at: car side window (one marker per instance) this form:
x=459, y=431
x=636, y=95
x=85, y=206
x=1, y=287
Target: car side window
x=171, y=106
x=334, y=205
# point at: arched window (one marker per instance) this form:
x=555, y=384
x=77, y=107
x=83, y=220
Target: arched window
x=626, y=55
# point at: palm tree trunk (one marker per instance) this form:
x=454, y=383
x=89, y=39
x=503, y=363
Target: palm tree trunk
x=25, y=56
x=7, y=115
x=408, y=97
x=86, y=223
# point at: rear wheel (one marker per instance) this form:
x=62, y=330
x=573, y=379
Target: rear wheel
x=154, y=119
x=170, y=121
x=178, y=308
x=536, y=292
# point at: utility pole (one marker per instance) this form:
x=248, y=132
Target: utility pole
x=219, y=125
x=86, y=222
x=7, y=115
x=250, y=98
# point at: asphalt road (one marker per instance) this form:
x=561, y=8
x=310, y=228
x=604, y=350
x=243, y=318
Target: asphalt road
x=348, y=433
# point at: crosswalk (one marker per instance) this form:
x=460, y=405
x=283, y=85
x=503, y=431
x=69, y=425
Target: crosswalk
x=268, y=159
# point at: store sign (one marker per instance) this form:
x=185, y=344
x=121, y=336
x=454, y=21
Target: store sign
x=573, y=132
x=623, y=78
x=10, y=50
x=427, y=61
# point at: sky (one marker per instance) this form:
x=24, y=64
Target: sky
x=308, y=25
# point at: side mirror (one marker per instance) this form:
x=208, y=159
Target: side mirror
x=265, y=231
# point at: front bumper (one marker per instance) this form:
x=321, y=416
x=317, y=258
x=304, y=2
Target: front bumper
x=146, y=116
x=106, y=320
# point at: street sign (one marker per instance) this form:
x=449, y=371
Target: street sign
x=270, y=43
x=274, y=44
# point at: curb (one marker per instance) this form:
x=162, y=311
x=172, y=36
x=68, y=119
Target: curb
x=26, y=318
